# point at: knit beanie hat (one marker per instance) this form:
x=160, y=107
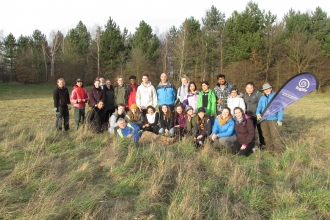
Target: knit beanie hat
x=133, y=106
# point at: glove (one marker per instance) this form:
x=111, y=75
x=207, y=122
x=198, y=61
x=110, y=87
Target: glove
x=259, y=117
x=55, y=110
x=279, y=123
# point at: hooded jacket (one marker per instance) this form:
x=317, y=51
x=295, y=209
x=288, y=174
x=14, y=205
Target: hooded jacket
x=78, y=93
x=109, y=94
x=222, y=93
x=210, y=109
x=113, y=121
x=225, y=130
x=191, y=100
x=121, y=95
x=61, y=97
x=95, y=95
x=166, y=94
x=262, y=104
x=207, y=128
x=146, y=95
x=131, y=91
x=235, y=102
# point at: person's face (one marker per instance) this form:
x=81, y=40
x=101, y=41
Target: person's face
x=233, y=93
x=150, y=111
x=268, y=91
x=122, y=124
x=201, y=114
x=121, y=110
x=145, y=79
x=179, y=110
x=238, y=114
x=100, y=105
x=164, y=108
x=192, y=87
x=205, y=87
x=249, y=89
x=102, y=80
x=225, y=113
x=221, y=81
x=60, y=83
x=97, y=84
x=108, y=83
x=163, y=78
x=120, y=81
x=190, y=112
x=79, y=84
x=132, y=81
x=133, y=110
x=184, y=81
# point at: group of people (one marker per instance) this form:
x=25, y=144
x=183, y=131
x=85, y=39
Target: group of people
x=164, y=114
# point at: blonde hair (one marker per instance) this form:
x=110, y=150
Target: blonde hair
x=183, y=76
x=60, y=79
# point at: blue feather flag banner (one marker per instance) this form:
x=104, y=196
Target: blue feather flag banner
x=294, y=89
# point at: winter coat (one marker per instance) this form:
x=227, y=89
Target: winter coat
x=191, y=125
x=251, y=102
x=113, y=121
x=130, y=128
x=222, y=93
x=211, y=105
x=131, y=91
x=262, y=104
x=109, y=101
x=96, y=119
x=191, y=100
x=165, y=123
x=138, y=123
x=145, y=120
x=180, y=119
x=225, y=130
x=244, y=130
x=207, y=128
x=95, y=95
x=182, y=92
x=121, y=95
x=235, y=102
x=78, y=93
x=146, y=95
x=61, y=97
x=166, y=94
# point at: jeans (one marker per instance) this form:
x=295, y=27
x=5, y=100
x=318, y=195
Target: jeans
x=62, y=113
x=162, y=131
x=79, y=117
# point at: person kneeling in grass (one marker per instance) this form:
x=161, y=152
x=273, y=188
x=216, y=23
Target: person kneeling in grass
x=96, y=118
x=203, y=128
x=131, y=130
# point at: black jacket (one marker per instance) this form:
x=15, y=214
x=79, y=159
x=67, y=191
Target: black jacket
x=61, y=97
x=96, y=119
x=109, y=103
x=165, y=123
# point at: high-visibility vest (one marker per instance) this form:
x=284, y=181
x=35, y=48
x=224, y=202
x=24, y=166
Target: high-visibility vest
x=119, y=130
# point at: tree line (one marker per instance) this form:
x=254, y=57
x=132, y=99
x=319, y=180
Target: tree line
x=247, y=46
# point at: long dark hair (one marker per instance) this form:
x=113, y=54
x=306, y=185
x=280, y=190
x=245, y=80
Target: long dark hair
x=200, y=120
x=191, y=83
x=177, y=106
x=168, y=113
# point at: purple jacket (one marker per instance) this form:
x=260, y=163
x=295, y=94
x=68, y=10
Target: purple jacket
x=95, y=95
x=244, y=130
x=180, y=120
x=191, y=100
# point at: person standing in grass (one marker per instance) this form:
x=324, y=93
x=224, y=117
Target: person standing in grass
x=61, y=101
x=166, y=92
x=235, y=100
x=191, y=98
x=96, y=94
x=96, y=118
x=203, y=128
x=245, y=133
x=223, y=131
x=109, y=104
x=131, y=91
x=78, y=99
x=222, y=92
x=121, y=93
x=183, y=89
x=269, y=126
x=146, y=95
x=207, y=99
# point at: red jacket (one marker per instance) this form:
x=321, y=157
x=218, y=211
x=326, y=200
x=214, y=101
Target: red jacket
x=78, y=93
x=131, y=95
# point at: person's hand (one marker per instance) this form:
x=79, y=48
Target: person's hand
x=214, y=137
x=177, y=126
x=79, y=100
x=243, y=147
x=219, y=101
x=147, y=125
x=200, y=136
x=195, y=139
x=259, y=117
x=166, y=131
x=140, y=108
x=279, y=123
x=189, y=117
x=55, y=110
x=84, y=100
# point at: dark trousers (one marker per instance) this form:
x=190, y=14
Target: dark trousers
x=107, y=114
x=261, y=137
x=79, y=116
x=247, y=151
x=271, y=135
x=154, y=129
x=62, y=113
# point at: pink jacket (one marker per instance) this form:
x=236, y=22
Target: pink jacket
x=78, y=93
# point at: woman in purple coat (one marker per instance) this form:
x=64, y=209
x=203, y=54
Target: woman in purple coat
x=96, y=94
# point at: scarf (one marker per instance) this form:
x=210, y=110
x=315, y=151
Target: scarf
x=222, y=120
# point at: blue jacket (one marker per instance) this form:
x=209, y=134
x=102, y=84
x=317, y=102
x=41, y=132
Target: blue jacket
x=225, y=130
x=263, y=102
x=166, y=95
x=130, y=128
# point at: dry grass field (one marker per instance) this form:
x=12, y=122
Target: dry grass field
x=45, y=174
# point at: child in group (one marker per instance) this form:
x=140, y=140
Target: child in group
x=78, y=99
x=150, y=121
x=61, y=102
x=134, y=115
x=191, y=120
x=179, y=120
x=166, y=121
x=203, y=128
x=96, y=118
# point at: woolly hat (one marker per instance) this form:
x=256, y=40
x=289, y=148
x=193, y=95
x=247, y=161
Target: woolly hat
x=201, y=109
x=189, y=108
x=133, y=106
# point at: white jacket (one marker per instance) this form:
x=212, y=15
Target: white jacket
x=146, y=95
x=235, y=102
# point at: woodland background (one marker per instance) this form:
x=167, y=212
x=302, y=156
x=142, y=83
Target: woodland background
x=246, y=46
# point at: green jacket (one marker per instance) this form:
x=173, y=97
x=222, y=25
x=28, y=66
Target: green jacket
x=121, y=95
x=211, y=104
x=190, y=125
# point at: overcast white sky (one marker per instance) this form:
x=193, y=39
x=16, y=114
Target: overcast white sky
x=24, y=16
